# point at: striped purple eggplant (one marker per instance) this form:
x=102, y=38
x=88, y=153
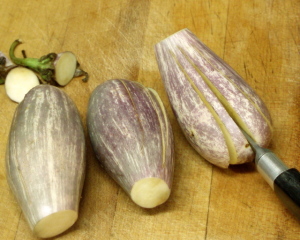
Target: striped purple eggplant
x=45, y=160
x=211, y=101
x=132, y=138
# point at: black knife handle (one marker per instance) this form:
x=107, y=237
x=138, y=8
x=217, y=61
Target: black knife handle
x=287, y=188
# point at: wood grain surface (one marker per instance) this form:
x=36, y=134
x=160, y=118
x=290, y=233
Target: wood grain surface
x=115, y=39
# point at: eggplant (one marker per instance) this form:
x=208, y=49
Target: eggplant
x=133, y=140
x=211, y=101
x=45, y=160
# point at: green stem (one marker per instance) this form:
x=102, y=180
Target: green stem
x=44, y=65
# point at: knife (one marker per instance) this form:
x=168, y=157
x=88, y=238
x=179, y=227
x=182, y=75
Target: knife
x=283, y=180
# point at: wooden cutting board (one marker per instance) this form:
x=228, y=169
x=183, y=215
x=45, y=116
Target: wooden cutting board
x=115, y=39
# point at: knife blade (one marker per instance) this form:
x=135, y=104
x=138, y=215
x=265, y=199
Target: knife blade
x=283, y=180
